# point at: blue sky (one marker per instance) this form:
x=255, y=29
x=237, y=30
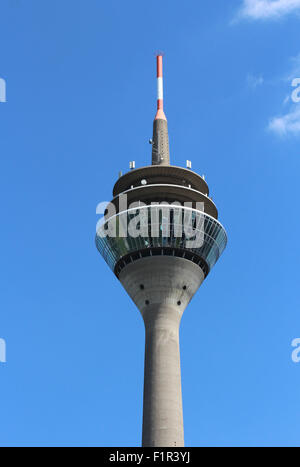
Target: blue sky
x=80, y=102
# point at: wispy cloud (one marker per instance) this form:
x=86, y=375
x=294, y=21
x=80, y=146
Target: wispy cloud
x=267, y=9
x=295, y=69
x=287, y=99
x=254, y=81
x=288, y=124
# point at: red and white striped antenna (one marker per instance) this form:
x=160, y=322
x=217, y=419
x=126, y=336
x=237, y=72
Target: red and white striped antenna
x=160, y=89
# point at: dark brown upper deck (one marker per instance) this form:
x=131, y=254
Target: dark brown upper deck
x=158, y=174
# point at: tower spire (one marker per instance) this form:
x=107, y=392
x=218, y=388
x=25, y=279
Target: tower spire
x=160, y=140
x=160, y=89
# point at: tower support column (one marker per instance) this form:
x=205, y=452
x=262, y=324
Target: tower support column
x=162, y=416
x=161, y=287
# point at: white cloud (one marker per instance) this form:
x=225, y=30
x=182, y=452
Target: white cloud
x=267, y=9
x=288, y=124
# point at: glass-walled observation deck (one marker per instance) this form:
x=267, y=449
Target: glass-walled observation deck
x=161, y=230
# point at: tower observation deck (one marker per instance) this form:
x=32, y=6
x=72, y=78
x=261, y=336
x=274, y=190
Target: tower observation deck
x=161, y=237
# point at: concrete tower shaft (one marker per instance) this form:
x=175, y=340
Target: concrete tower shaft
x=160, y=143
x=162, y=287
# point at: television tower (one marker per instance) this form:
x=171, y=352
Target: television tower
x=149, y=243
